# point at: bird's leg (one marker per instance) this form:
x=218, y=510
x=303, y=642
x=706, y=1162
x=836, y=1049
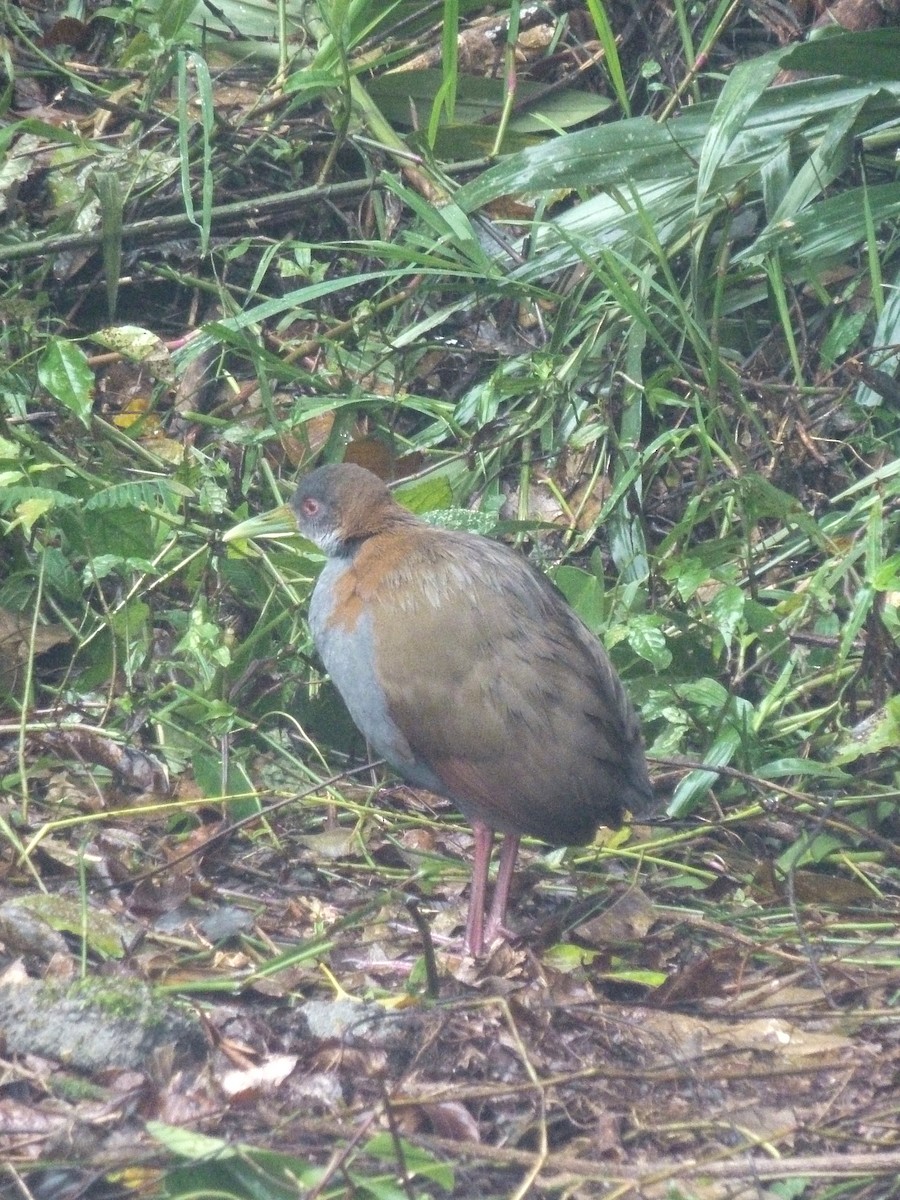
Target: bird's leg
x=497, y=918
x=484, y=841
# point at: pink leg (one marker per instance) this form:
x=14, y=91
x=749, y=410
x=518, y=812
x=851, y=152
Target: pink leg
x=484, y=841
x=508, y=852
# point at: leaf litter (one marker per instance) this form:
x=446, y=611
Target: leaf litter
x=288, y=1041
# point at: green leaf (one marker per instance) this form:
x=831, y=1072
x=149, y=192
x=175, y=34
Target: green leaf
x=808, y=851
x=687, y=574
x=418, y=1162
x=64, y=371
x=784, y=768
x=843, y=334
x=584, y=591
x=826, y=231
x=886, y=576
x=12, y=497
x=694, y=786
x=312, y=82
x=789, y=1189
x=744, y=86
x=225, y=1170
x=146, y=493
x=878, y=733
x=882, y=353
x=708, y=693
x=613, y=155
x=829, y=158
x=611, y=60
x=426, y=495
x=126, y=532
x=727, y=610
x=108, y=189
x=103, y=565
x=871, y=54
x=188, y=102
x=187, y=1143
x=567, y=957
x=140, y=345
x=172, y=15
x=407, y=98
x=640, y=975
x=647, y=640
x=649, y=181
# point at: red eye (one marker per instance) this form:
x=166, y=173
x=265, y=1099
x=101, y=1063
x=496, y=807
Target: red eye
x=310, y=507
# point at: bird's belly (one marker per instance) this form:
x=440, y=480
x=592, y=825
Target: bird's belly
x=349, y=657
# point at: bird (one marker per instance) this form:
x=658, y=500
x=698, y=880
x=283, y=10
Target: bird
x=465, y=668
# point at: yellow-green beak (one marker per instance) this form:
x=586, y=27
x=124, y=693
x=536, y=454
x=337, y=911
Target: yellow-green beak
x=276, y=523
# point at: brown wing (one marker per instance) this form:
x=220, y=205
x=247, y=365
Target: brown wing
x=505, y=695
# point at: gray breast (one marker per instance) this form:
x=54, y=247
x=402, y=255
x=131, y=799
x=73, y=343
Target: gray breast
x=349, y=658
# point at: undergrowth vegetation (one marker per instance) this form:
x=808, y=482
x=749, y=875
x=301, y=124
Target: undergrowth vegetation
x=625, y=291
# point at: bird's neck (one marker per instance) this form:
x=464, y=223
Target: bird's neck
x=359, y=528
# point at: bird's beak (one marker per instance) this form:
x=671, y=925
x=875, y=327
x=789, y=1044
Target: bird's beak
x=276, y=523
